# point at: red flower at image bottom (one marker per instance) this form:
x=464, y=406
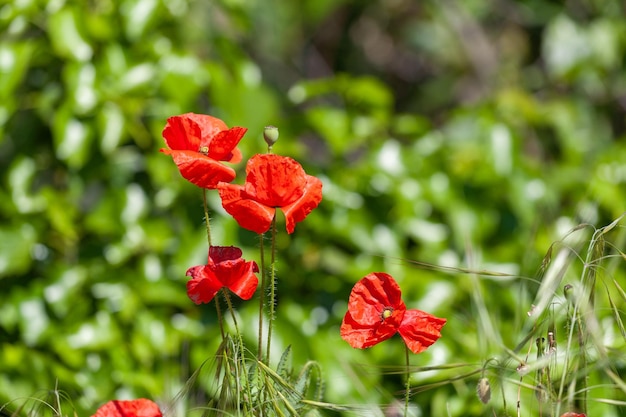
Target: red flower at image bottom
x=197, y=144
x=376, y=312
x=225, y=268
x=272, y=181
x=130, y=408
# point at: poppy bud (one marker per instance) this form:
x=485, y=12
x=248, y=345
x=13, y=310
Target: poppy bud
x=270, y=135
x=483, y=390
x=568, y=292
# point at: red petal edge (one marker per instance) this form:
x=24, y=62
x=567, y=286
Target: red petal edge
x=131, y=408
x=420, y=329
x=200, y=169
x=297, y=211
x=250, y=214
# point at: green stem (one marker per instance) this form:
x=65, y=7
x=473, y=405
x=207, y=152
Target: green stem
x=272, y=289
x=207, y=221
x=207, y=218
x=239, y=358
x=219, y=316
x=261, y=297
x=408, y=382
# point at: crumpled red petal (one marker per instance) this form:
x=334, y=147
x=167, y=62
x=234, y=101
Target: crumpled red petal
x=363, y=336
x=209, y=125
x=248, y=213
x=203, y=285
x=274, y=180
x=131, y=408
x=183, y=133
x=420, y=329
x=219, y=254
x=364, y=324
x=199, y=169
x=299, y=209
x=371, y=295
x=225, y=268
x=222, y=146
x=238, y=276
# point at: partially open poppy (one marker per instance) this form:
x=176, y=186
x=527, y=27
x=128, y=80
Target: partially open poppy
x=130, y=408
x=272, y=181
x=197, y=144
x=225, y=268
x=376, y=312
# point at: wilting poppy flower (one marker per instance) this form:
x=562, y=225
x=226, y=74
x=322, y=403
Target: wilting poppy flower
x=376, y=312
x=272, y=181
x=226, y=268
x=130, y=408
x=197, y=144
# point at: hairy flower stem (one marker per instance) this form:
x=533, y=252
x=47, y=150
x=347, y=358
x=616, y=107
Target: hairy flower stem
x=240, y=357
x=207, y=218
x=219, y=316
x=207, y=221
x=408, y=382
x=272, y=290
x=261, y=297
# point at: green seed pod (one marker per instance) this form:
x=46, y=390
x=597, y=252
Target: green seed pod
x=568, y=292
x=270, y=135
x=483, y=390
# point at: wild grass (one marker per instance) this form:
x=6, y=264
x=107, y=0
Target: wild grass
x=568, y=354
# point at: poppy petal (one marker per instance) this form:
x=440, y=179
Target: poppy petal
x=420, y=329
x=298, y=210
x=209, y=126
x=363, y=336
x=182, y=133
x=375, y=311
x=204, y=284
x=223, y=144
x=239, y=277
x=199, y=169
x=248, y=213
x=371, y=295
x=131, y=408
x=219, y=254
x=274, y=180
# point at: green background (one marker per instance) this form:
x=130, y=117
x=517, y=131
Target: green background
x=465, y=134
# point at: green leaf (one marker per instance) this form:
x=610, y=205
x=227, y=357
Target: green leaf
x=16, y=243
x=66, y=37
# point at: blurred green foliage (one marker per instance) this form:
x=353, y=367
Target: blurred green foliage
x=464, y=134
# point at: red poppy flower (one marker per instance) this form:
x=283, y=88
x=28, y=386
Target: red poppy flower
x=376, y=312
x=197, y=142
x=272, y=181
x=131, y=408
x=226, y=268
x=573, y=414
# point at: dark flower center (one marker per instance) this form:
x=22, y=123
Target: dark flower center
x=386, y=313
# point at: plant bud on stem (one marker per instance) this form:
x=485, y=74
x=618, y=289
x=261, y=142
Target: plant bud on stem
x=270, y=135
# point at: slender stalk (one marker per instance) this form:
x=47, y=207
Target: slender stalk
x=261, y=297
x=240, y=357
x=207, y=218
x=207, y=221
x=219, y=316
x=408, y=382
x=272, y=290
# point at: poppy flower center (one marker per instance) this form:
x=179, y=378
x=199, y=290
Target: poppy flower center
x=204, y=150
x=386, y=313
